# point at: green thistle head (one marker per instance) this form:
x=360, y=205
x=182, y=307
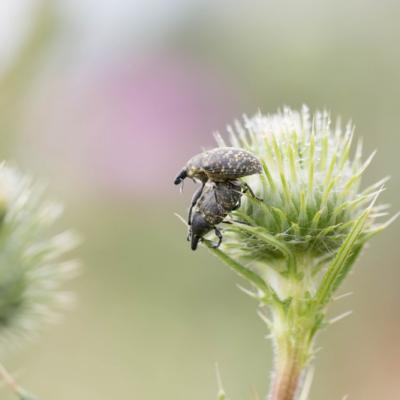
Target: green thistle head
x=310, y=186
x=31, y=266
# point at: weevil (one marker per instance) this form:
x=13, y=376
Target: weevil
x=216, y=202
x=219, y=165
x=222, y=164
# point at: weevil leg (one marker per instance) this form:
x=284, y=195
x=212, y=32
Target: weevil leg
x=195, y=197
x=236, y=221
x=247, y=188
x=215, y=192
x=219, y=236
x=239, y=203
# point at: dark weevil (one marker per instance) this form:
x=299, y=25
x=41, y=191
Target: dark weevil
x=215, y=203
x=222, y=164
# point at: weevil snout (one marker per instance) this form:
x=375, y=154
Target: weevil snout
x=194, y=242
x=179, y=179
x=198, y=229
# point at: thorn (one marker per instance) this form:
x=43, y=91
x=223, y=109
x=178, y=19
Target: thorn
x=10, y=381
x=379, y=214
x=221, y=391
x=317, y=350
x=376, y=195
x=382, y=207
x=218, y=138
x=180, y=218
x=264, y=318
x=342, y=296
x=269, y=337
x=390, y=221
x=307, y=384
x=255, y=393
x=250, y=293
x=340, y=317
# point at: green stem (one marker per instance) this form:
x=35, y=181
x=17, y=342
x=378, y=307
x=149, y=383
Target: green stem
x=286, y=382
x=9, y=380
x=294, y=319
x=292, y=331
x=291, y=361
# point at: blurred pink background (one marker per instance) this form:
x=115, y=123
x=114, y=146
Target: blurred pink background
x=107, y=100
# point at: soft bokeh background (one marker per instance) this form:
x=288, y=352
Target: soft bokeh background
x=106, y=100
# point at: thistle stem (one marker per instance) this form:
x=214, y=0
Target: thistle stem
x=291, y=332
x=286, y=382
x=10, y=381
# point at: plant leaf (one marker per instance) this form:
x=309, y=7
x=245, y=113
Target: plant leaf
x=245, y=273
x=344, y=259
x=272, y=241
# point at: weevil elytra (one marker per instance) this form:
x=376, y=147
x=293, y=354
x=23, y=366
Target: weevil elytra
x=219, y=165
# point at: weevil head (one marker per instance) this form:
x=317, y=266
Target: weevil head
x=182, y=175
x=198, y=229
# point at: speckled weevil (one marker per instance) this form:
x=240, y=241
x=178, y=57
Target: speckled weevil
x=217, y=200
x=221, y=164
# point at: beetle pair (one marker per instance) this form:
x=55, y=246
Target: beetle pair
x=219, y=171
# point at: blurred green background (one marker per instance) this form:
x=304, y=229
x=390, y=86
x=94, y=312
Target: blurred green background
x=106, y=101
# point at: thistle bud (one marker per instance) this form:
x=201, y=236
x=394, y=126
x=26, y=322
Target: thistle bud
x=296, y=240
x=310, y=187
x=32, y=268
